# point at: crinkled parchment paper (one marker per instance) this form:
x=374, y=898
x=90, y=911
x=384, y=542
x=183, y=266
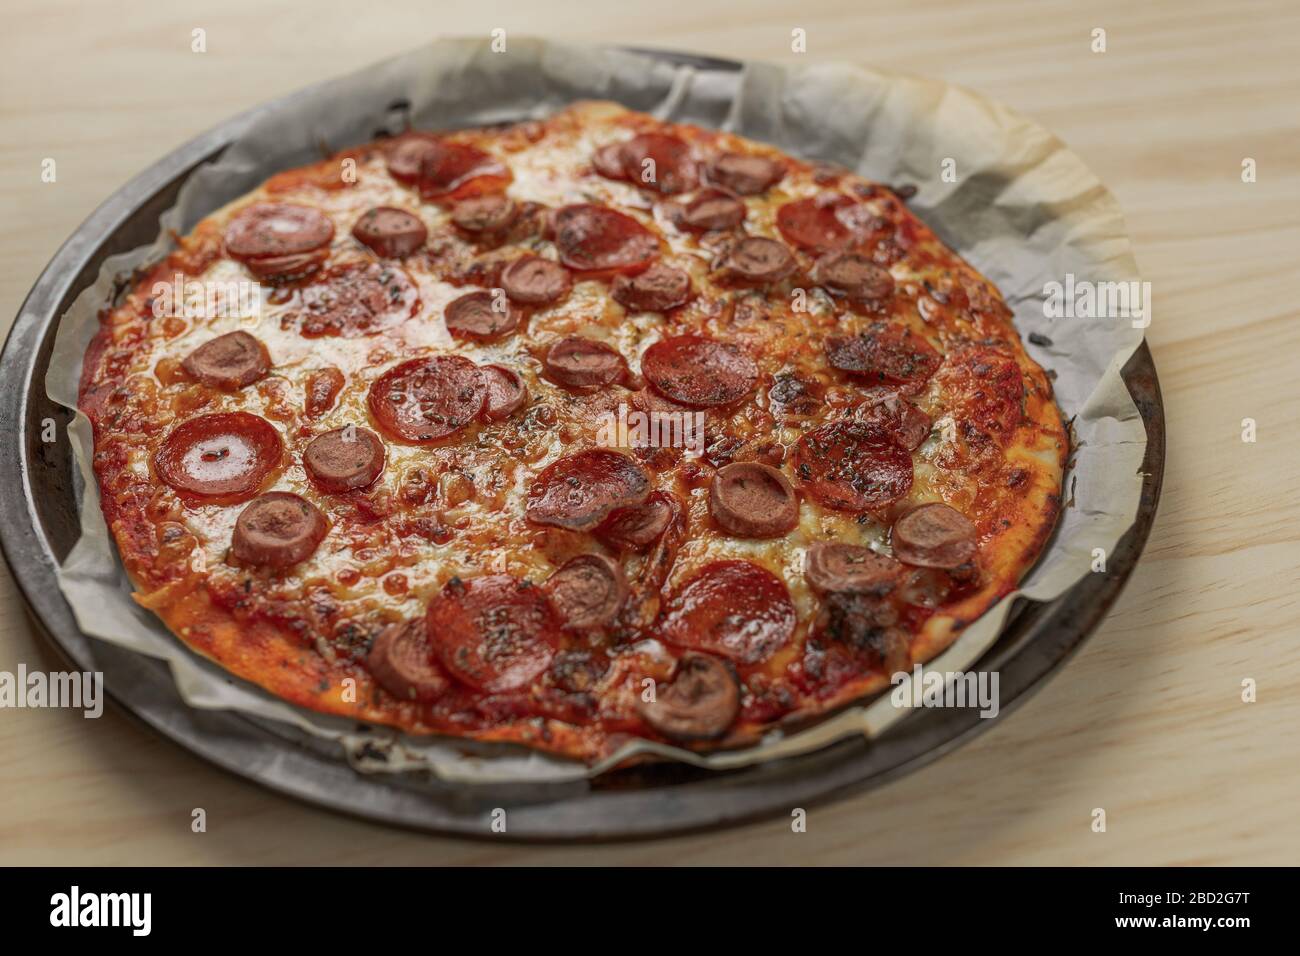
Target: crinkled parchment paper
x=1023, y=210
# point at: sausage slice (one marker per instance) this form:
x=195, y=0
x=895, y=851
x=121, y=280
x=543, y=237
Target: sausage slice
x=277, y=529
x=390, y=232
x=229, y=361
x=344, y=459
x=759, y=260
x=587, y=591
x=934, y=536
x=834, y=568
x=753, y=500
x=579, y=362
x=700, y=704
x=532, y=280
x=403, y=664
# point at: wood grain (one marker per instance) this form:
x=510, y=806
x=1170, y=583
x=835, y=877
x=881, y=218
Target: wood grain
x=1147, y=722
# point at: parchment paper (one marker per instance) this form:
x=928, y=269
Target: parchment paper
x=1023, y=210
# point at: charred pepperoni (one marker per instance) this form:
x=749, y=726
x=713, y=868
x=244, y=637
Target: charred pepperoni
x=484, y=214
x=638, y=527
x=578, y=491
x=758, y=260
x=660, y=288
x=455, y=171
x=587, y=591
x=221, y=459
x=506, y=393
x=701, y=703
x=734, y=609
x=698, y=371
x=277, y=530
x=713, y=210
x=987, y=389
x=887, y=411
x=532, y=280
x=597, y=239
x=886, y=354
x=352, y=300
x=835, y=568
x=344, y=459
x=934, y=536
x=274, y=229
x=745, y=174
x=480, y=316
x=229, y=361
x=579, y=362
x=852, y=467
x=493, y=633
x=427, y=400
x=402, y=662
x=659, y=161
x=853, y=275
x=390, y=232
x=752, y=500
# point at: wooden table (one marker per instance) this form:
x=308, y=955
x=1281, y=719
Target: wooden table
x=1147, y=722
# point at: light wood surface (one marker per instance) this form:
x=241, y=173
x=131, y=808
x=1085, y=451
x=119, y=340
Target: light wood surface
x=1146, y=722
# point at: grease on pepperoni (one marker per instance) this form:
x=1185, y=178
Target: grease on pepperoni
x=825, y=222
x=223, y=458
x=579, y=491
x=277, y=229
x=427, y=400
x=698, y=371
x=851, y=466
x=494, y=633
x=450, y=171
x=658, y=161
x=596, y=239
x=352, y=300
x=734, y=609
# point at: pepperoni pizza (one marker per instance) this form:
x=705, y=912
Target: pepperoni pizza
x=380, y=485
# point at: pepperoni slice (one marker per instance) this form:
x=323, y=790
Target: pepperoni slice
x=587, y=591
x=853, y=275
x=886, y=410
x=276, y=229
x=836, y=568
x=352, y=300
x=745, y=174
x=484, y=214
x=392, y=233
x=344, y=459
x=323, y=387
x=405, y=155
x=698, y=371
x=713, y=210
x=659, y=161
x=852, y=467
x=934, y=536
x=886, y=354
x=402, y=662
x=494, y=633
x=638, y=527
x=480, y=317
x=701, y=703
x=222, y=459
x=506, y=393
x=658, y=289
x=608, y=161
x=229, y=361
x=758, y=260
x=734, y=609
x=277, y=530
x=532, y=280
x=579, y=362
x=578, y=491
x=427, y=400
x=752, y=500
x=598, y=239
x=287, y=268
x=821, y=223
x=456, y=171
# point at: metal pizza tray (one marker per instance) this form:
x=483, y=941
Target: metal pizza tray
x=39, y=525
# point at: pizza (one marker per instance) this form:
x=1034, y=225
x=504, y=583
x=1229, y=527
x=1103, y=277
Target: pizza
x=570, y=432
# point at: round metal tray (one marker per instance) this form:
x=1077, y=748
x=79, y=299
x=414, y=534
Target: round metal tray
x=39, y=525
